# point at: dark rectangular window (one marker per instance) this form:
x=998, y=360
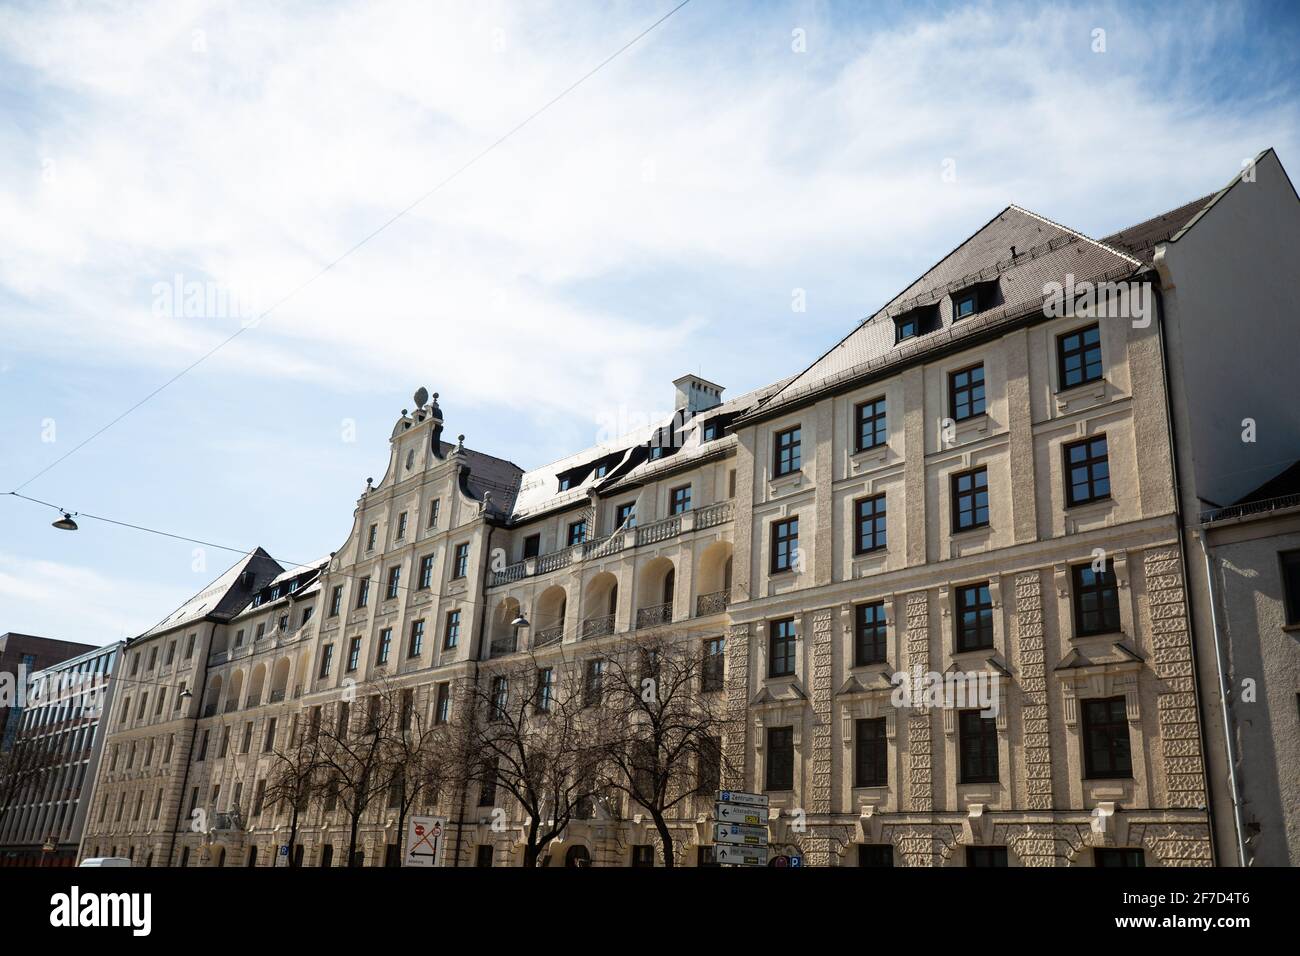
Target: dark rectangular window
x=781, y=648
x=974, y=617
x=452, y=635
x=964, y=305
x=417, y=639
x=532, y=545
x=710, y=431
x=1106, y=753
x=1087, y=471
x=483, y=854
x=643, y=854
x=545, y=689
x=577, y=532
x=442, y=709
x=385, y=643
x=875, y=854
x=870, y=754
x=872, y=431
x=711, y=676
x=592, y=684
x=460, y=565
x=708, y=766
x=1078, y=356
x=434, y=510
x=785, y=544
x=371, y=536
x=363, y=592
x=869, y=634
x=500, y=697
x=625, y=515
x=336, y=600
x=780, y=758
x=788, y=456
x=869, y=517
x=326, y=659
x=985, y=856
x=394, y=582
x=680, y=500
x=1120, y=856
x=970, y=500
x=1096, y=600
x=401, y=526
x=907, y=326
x=966, y=392
x=978, y=740
x=354, y=654
x=426, y=572
x=1291, y=585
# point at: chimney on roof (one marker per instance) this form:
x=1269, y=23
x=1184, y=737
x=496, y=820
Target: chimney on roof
x=696, y=394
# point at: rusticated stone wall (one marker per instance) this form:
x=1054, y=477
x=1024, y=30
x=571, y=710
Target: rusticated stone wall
x=1171, y=645
x=920, y=768
x=1033, y=687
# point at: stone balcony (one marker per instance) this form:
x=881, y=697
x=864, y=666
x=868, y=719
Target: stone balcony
x=707, y=517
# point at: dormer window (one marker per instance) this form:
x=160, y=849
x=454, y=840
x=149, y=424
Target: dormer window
x=973, y=300
x=566, y=484
x=968, y=304
x=710, y=431
x=916, y=322
x=600, y=470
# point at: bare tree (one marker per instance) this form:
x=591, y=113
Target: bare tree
x=351, y=753
x=294, y=777
x=23, y=765
x=527, y=732
x=418, y=754
x=662, y=695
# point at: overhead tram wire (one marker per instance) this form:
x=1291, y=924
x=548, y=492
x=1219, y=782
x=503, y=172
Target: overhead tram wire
x=283, y=561
x=392, y=219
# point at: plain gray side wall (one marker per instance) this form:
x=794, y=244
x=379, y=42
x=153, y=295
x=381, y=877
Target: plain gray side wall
x=1234, y=308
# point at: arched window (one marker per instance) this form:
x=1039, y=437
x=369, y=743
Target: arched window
x=577, y=856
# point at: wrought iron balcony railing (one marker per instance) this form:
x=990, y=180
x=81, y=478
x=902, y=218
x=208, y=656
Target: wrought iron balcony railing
x=715, y=602
x=598, y=626
x=548, y=636
x=654, y=615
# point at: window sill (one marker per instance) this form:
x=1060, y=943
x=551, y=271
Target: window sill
x=786, y=482
x=867, y=457
x=1117, y=635
x=1076, y=397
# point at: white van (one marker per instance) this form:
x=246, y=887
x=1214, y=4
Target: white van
x=106, y=861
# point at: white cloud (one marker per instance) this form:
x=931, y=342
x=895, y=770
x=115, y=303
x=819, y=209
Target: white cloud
x=257, y=149
x=77, y=603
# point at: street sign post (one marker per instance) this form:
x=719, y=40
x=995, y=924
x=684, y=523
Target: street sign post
x=743, y=798
x=739, y=834
x=740, y=828
x=735, y=813
x=741, y=855
x=424, y=841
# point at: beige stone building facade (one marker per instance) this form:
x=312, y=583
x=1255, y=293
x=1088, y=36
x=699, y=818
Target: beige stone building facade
x=976, y=489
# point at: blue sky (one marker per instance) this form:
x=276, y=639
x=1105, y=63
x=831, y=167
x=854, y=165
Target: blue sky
x=655, y=221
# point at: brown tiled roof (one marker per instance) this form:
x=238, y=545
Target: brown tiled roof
x=1140, y=240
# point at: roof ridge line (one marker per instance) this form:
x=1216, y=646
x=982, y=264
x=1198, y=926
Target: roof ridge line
x=1074, y=232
